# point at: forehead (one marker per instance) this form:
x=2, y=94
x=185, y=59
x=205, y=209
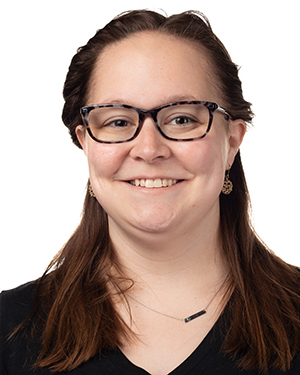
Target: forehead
x=149, y=68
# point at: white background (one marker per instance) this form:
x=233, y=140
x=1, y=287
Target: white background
x=43, y=175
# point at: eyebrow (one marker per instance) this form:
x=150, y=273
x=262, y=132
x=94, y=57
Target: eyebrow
x=167, y=100
x=182, y=98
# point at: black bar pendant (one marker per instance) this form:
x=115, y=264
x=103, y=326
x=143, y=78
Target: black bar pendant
x=192, y=317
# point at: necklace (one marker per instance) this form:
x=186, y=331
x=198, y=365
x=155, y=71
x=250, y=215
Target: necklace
x=189, y=318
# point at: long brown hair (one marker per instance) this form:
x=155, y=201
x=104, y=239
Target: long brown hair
x=80, y=319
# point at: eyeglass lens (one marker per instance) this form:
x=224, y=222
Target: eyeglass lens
x=113, y=124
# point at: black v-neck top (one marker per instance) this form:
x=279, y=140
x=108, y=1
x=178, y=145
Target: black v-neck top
x=18, y=356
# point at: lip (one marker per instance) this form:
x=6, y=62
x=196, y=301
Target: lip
x=139, y=177
x=153, y=183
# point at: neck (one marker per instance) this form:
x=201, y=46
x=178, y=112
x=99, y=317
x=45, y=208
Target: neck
x=163, y=262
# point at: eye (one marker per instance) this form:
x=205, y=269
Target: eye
x=118, y=123
x=180, y=121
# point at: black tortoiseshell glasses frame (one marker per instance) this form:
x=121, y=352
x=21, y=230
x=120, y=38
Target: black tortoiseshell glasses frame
x=179, y=121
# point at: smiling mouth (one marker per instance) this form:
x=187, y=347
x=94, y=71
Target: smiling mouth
x=157, y=183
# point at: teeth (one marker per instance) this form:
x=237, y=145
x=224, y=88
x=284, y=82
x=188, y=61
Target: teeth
x=157, y=183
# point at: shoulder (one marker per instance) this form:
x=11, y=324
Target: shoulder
x=20, y=296
x=19, y=292
x=15, y=305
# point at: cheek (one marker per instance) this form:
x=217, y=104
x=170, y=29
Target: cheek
x=205, y=156
x=103, y=160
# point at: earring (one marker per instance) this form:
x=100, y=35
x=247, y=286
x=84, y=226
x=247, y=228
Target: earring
x=92, y=194
x=228, y=185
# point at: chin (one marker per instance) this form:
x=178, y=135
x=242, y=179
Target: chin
x=155, y=222
x=153, y=228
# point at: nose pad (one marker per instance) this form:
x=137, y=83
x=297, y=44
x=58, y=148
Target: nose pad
x=150, y=145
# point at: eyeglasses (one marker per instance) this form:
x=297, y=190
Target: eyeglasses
x=179, y=121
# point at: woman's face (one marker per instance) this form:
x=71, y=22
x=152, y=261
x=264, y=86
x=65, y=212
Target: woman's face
x=146, y=71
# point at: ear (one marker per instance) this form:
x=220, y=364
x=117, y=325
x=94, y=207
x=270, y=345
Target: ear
x=237, y=131
x=81, y=136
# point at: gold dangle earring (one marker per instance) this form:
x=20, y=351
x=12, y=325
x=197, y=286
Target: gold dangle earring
x=92, y=194
x=228, y=185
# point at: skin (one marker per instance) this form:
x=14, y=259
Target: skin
x=166, y=239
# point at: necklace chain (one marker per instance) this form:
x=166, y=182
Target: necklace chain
x=189, y=318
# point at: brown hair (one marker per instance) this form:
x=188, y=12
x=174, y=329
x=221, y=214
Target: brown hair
x=81, y=320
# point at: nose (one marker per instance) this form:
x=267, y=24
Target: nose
x=150, y=145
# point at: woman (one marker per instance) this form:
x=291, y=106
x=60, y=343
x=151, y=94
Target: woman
x=164, y=273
